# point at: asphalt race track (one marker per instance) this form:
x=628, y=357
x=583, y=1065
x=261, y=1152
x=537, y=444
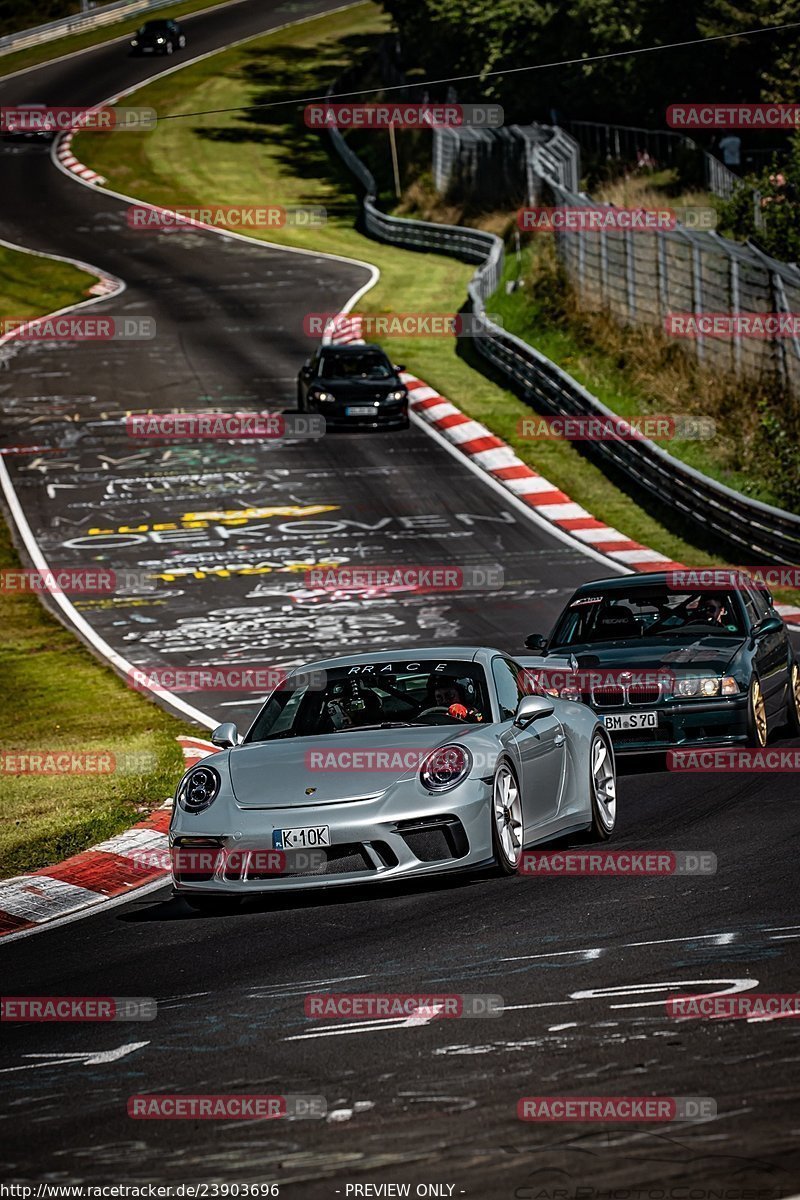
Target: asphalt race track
x=583, y=965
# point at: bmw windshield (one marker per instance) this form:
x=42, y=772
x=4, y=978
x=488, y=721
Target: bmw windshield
x=642, y=613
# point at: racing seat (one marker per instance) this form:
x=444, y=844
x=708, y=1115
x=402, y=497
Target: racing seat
x=616, y=621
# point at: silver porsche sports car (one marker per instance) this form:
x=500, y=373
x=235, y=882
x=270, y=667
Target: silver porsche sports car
x=385, y=766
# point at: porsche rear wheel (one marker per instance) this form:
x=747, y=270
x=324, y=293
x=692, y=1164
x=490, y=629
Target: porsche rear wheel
x=602, y=787
x=507, y=819
x=757, y=729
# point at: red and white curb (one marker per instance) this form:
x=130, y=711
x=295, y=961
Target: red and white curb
x=107, y=871
x=67, y=159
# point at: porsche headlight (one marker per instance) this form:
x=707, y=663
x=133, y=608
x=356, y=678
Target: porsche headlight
x=445, y=768
x=198, y=789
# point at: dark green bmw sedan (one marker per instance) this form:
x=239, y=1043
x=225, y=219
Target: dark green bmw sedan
x=668, y=663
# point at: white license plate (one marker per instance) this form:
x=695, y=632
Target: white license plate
x=360, y=410
x=301, y=839
x=630, y=720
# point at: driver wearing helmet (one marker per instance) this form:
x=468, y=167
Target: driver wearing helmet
x=449, y=694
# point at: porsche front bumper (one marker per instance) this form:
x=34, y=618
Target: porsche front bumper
x=371, y=840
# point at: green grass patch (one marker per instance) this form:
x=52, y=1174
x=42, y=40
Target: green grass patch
x=56, y=696
x=46, y=51
x=31, y=286
x=267, y=155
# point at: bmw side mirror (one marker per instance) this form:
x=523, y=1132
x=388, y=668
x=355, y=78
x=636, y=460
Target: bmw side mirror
x=531, y=708
x=536, y=641
x=225, y=736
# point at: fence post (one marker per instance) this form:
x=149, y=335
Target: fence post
x=737, y=337
x=697, y=295
x=630, y=274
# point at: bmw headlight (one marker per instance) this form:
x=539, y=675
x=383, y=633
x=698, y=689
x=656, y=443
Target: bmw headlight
x=705, y=686
x=318, y=394
x=134, y=41
x=160, y=40
x=198, y=789
x=445, y=768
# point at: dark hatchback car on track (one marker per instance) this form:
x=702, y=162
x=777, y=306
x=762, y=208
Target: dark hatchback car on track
x=158, y=37
x=672, y=666
x=353, y=385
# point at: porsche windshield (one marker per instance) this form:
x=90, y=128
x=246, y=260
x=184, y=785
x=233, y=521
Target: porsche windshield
x=648, y=612
x=377, y=696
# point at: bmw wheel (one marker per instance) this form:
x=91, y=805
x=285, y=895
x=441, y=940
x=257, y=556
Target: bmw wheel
x=507, y=820
x=793, y=700
x=757, y=729
x=602, y=787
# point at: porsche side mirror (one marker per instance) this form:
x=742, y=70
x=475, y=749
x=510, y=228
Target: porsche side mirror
x=536, y=641
x=225, y=736
x=531, y=708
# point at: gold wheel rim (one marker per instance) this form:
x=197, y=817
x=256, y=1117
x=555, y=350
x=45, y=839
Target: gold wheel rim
x=796, y=688
x=759, y=714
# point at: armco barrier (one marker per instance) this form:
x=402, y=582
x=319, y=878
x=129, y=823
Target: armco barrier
x=735, y=523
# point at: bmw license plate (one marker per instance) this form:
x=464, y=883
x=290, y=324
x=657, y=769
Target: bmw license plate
x=630, y=720
x=301, y=839
x=360, y=410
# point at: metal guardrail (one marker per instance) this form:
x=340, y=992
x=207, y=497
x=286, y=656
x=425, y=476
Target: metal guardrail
x=77, y=23
x=747, y=527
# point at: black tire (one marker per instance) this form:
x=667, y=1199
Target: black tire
x=793, y=700
x=212, y=906
x=757, y=721
x=301, y=400
x=604, y=814
x=504, y=864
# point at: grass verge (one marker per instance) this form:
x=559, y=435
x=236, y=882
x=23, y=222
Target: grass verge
x=263, y=156
x=55, y=695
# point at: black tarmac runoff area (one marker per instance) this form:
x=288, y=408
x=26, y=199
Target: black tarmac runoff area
x=585, y=966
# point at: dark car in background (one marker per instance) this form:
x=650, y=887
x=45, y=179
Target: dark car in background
x=158, y=37
x=670, y=666
x=353, y=385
